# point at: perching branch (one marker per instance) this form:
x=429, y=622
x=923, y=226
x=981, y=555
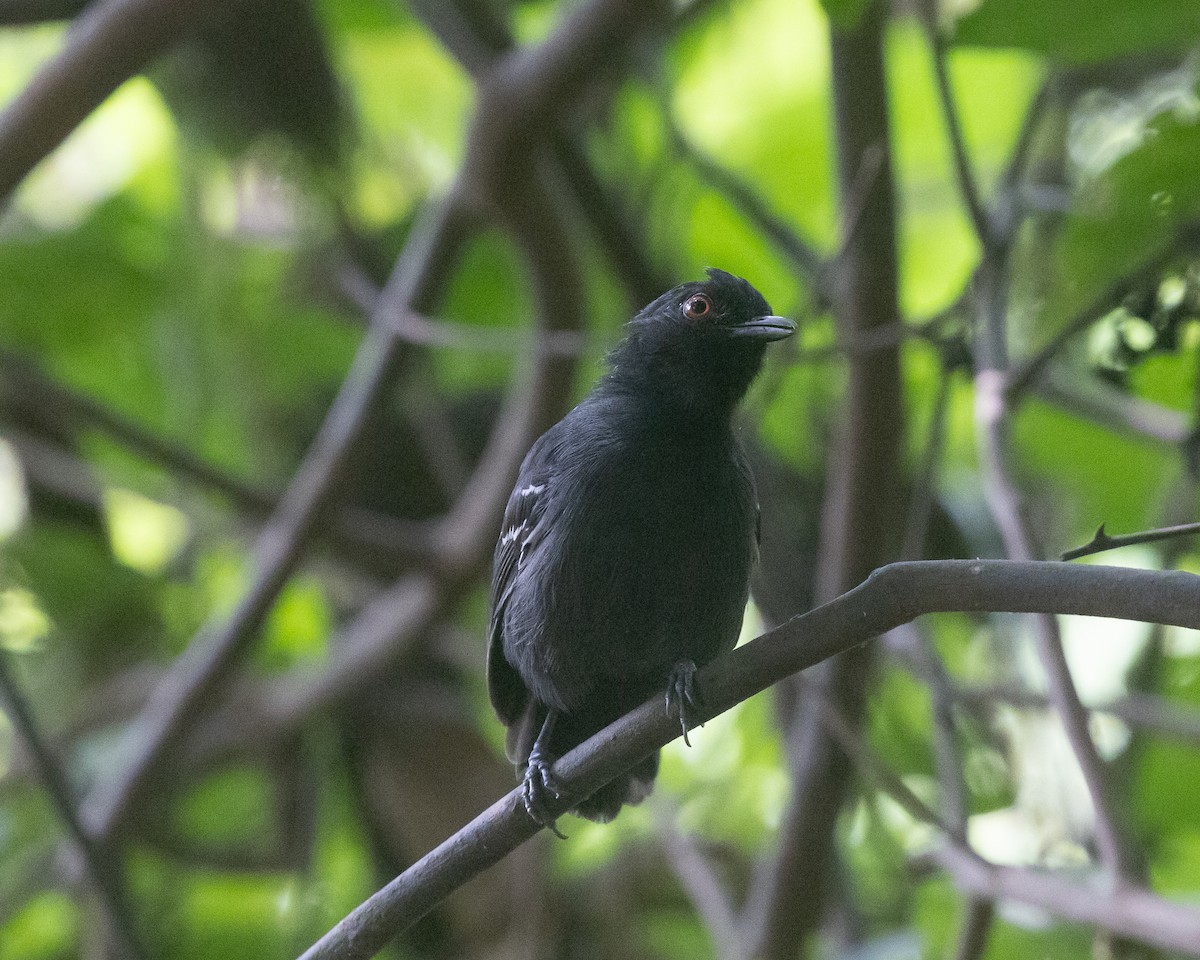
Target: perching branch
x=891, y=596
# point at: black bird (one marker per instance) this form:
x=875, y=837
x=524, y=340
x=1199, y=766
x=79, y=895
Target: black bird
x=625, y=555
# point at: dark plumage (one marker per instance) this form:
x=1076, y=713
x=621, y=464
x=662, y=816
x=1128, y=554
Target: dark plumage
x=625, y=554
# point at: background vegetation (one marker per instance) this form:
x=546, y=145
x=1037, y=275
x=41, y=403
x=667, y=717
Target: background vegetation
x=287, y=289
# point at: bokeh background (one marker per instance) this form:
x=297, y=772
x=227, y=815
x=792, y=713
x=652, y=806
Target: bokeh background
x=279, y=317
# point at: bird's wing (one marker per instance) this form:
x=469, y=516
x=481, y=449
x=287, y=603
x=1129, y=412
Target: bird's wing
x=520, y=532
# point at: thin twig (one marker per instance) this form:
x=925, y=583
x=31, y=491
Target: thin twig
x=1026, y=372
x=1008, y=203
x=1102, y=541
x=947, y=757
x=1142, y=711
x=102, y=868
x=868, y=761
x=1133, y=913
x=802, y=254
x=967, y=183
x=980, y=914
x=893, y=595
x=923, y=498
x=423, y=331
x=355, y=531
x=477, y=36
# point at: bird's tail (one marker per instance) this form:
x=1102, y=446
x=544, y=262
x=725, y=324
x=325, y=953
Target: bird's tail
x=629, y=788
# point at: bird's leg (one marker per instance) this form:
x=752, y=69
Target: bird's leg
x=683, y=696
x=539, y=779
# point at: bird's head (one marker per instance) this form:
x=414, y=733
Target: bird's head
x=696, y=349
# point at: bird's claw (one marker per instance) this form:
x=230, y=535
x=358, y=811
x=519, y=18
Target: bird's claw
x=683, y=696
x=539, y=781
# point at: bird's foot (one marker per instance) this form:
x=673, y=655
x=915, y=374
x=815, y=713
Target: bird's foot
x=683, y=696
x=537, y=787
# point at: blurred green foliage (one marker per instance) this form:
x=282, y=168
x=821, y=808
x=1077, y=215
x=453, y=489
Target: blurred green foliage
x=188, y=282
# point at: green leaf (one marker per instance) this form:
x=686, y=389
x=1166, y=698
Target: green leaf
x=1082, y=31
x=46, y=929
x=1165, y=789
x=1138, y=187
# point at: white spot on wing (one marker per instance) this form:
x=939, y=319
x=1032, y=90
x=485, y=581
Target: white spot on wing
x=532, y=490
x=512, y=534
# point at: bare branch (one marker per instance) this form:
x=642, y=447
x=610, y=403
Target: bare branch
x=967, y=182
x=977, y=924
x=356, y=532
x=1009, y=204
x=427, y=332
x=1102, y=541
x=111, y=41
x=103, y=870
x=947, y=759
x=868, y=761
x=1140, y=710
x=862, y=513
x=477, y=36
x=1004, y=503
x=1091, y=398
x=892, y=595
x=213, y=653
x=703, y=888
x=1133, y=913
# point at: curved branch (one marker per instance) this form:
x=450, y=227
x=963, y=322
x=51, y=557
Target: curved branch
x=891, y=596
x=111, y=41
x=213, y=653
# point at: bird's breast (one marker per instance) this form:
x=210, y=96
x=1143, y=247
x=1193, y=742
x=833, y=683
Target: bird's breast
x=647, y=564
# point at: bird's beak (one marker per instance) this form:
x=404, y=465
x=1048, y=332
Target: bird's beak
x=765, y=328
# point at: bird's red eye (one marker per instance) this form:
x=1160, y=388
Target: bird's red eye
x=697, y=307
